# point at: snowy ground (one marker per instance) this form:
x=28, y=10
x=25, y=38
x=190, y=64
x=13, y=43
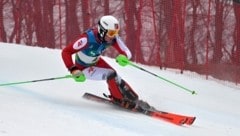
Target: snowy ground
x=56, y=108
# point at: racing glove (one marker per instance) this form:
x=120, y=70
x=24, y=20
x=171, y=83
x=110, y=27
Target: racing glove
x=122, y=60
x=77, y=74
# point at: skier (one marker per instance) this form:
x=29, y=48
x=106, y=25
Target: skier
x=89, y=63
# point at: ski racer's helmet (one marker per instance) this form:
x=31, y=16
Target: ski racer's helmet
x=108, y=25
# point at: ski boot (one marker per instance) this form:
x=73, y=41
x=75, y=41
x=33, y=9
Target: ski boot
x=143, y=106
x=121, y=93
x=124, y=102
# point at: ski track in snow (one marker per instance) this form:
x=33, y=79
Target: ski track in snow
x=56, y=108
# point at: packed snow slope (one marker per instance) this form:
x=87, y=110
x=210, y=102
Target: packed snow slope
x=56, y=108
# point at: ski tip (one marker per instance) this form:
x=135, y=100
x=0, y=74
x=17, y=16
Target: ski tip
x=85, y=95
x=190, y=121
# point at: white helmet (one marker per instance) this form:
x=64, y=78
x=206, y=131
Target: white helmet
x=108, y=25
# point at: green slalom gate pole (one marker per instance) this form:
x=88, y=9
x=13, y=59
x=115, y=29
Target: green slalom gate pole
x=180, y=86
x=39, y=80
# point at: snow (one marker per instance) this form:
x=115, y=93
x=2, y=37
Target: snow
x=56, y=107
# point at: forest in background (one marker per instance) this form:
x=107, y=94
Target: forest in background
x=197, y=35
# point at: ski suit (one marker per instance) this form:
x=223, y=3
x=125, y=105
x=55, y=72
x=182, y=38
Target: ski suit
x=88, y=49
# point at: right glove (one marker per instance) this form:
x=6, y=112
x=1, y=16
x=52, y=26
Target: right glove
x=78, y=75
x=122, y=60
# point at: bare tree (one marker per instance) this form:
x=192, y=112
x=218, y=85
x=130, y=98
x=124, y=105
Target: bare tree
x=192, y=34
x=43, y=22
x=72, y=26
x=3, y=36
x=217, y=51
x=85, y=14
x=47, y=16
x=130, y=10
x=27, y=15
x=236, y=48
x=38, y=22
x=16, y=33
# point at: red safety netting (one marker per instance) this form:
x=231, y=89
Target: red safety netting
x=197, y=35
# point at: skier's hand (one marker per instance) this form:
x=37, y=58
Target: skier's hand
x=122, y=60
x=78, y=75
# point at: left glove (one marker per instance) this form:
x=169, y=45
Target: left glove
x=122, y=60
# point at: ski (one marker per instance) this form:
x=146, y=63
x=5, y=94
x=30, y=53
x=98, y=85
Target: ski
x=173, y=118
x=189, y=120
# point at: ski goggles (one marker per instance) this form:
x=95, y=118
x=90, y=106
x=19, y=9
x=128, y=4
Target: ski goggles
x=112, y=33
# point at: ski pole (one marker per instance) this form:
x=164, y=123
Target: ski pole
x=184, y=88
x=123, y=61
x=39, y=80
